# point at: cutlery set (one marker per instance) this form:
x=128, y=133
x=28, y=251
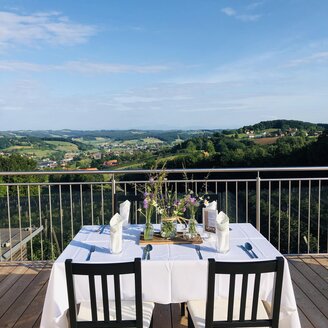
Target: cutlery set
x=248, y=249
x=146, y=252
x=91, y=250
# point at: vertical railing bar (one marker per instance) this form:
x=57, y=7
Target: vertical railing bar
x=246, y=201
x=186, y=187
x=269, y=210
x=216, y=187
x=226, y=197
x=135, y=206
x=236, y=201
x=50, y=216
x=289, y=212
x=81, y=204
x=258, y=202
x=71, y=208
x=61, y=218
x=196, y=188
x=102, y=204
x=40, y=220
x=319, y=214
x=299, y=216
x=176, y=190
x=30, y=218
x=113, y=193
x=9, y=226
x=309, y=218
x=279, y=214
x=20, y=222
x=124, y=188
x=91, y=200
x=205, y=187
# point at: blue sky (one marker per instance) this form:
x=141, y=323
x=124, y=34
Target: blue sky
x=187, y=64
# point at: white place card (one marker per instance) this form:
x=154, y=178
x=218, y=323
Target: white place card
x=209, y=220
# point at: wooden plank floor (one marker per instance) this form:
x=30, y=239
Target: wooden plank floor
x=23, y=287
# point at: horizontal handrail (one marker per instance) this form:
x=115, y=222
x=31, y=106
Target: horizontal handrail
x=194, y=170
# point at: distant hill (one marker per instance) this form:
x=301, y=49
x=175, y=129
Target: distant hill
x=118, y=135
x=286, y=124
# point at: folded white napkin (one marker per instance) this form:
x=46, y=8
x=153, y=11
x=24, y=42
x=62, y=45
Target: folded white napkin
x=211, y=205
x=116, y=223
x=125, y=212
x=222, y=233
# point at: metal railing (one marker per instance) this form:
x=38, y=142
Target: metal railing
x=40, y=212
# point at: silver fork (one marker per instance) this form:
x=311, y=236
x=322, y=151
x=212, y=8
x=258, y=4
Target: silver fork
x=91, y=250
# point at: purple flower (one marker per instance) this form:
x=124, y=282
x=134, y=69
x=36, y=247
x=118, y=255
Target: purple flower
x=145, y=203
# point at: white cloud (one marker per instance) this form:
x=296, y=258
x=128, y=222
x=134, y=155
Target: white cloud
x=83, y=67
x=248, y=18
x=318, y=57
x=229, y=11
x=44, y=27
x=241, y=17
x=99, y=68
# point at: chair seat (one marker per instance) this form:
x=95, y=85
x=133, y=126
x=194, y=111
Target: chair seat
x=197, y=310
x=128, y=311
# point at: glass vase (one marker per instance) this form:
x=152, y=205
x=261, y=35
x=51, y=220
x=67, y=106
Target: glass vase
x=168, y=228
x=148, y=231
x=192, y=228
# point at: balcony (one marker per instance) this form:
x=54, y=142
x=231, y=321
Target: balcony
x=23, y=287
x=42, y=211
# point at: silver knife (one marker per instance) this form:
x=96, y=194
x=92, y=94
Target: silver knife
x=197, y=248
x=144, y=254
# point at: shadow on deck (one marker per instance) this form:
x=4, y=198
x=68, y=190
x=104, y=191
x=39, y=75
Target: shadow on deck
x=23, y=286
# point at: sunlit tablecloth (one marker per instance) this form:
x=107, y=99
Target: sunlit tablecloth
x=174, y=273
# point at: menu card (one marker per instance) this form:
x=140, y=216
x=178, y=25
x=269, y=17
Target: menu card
x=209, y=220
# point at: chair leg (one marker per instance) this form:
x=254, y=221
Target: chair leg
x=183, y=309
x=190, y=322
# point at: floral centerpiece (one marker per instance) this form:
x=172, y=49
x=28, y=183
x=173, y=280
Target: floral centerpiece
x=171, y=210
x=150, y=203
x=192, y=203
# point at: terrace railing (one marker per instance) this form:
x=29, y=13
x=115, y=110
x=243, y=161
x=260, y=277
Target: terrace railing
x=40, y=212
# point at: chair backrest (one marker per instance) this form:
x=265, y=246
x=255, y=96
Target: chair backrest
x=244, y=269
x=103, y=270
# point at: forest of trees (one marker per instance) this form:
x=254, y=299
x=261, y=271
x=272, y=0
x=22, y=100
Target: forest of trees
x=216, y=150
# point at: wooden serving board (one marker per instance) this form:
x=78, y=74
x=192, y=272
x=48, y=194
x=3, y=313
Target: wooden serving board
x=179, y=239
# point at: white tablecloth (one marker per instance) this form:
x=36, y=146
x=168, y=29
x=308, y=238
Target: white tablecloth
x=174, y=273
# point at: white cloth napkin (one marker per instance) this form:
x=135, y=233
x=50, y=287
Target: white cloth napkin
x=125, y=212
x=222, y=233
x=211, y=205
x=116, y=242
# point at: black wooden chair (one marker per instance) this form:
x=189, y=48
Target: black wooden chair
x=107, y=313
x=240, y=311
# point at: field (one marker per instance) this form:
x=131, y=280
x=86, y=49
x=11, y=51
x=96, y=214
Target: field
x=266, y=141
x=63, y=146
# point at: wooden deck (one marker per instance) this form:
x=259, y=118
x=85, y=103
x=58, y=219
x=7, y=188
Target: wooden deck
x=23, y=287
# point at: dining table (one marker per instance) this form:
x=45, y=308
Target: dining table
x=173, y=273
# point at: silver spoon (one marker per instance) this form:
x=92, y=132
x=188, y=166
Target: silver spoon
x=249, y=247
x=148, y=248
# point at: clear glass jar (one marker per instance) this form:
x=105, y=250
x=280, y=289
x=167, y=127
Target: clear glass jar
x=192, y=228
x=148, y=231
x=168, y=228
